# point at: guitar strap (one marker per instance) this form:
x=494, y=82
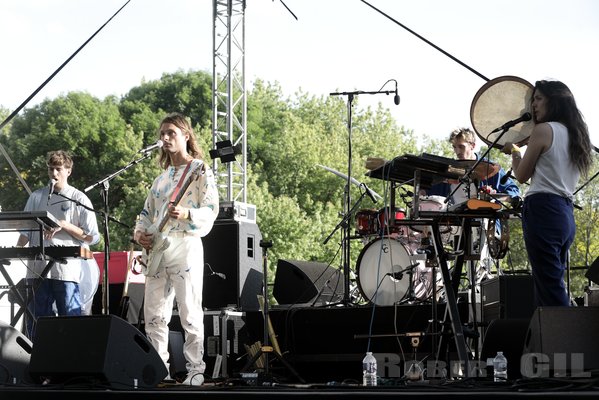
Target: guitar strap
x=175, y=193
x=178, y=187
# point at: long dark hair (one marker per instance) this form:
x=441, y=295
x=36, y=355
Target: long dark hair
x=561, y=107
x=183, y=123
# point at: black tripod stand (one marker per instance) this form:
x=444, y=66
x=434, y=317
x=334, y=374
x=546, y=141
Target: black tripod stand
x=266, y=348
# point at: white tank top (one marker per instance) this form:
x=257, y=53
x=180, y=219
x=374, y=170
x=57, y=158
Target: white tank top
x=554, y=173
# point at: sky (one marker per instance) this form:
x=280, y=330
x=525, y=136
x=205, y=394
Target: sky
x=332, y=46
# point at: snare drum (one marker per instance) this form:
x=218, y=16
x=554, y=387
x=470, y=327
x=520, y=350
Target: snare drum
x=389, y=228
x=432, y=203
x=367, y=222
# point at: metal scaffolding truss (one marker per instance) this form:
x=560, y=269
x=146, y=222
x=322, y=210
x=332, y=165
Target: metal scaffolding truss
x=229, y=103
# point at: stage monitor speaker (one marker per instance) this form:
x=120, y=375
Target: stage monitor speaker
x=101, y=348
x=15, y=353
x=566, y=331
x=592, y=273
x=299, y=282
x=507, y=297
x=232, y=249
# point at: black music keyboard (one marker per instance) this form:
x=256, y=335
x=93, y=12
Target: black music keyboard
x=56, y=252
x=27, y=220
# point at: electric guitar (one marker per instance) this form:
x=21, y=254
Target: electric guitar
x=150, y=259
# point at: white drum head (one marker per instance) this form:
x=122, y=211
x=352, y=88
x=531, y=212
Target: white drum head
x=383, y=271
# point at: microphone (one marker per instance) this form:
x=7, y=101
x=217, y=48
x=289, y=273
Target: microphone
x=399, y=274
x=220, y=275
x=51, y=185
x=396, y=97
x=369, y=193
x=396, y=275
x=505, y=177
x=151, y=147
x=525, y=117
x=212, y=273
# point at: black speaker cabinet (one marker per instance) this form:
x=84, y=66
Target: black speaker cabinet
x=562, y=333
x=15, y=352
x=232, y=249
x=135, y=291
x=593, y=272
x=507, y=297
x=101, y=348
x=307, y=282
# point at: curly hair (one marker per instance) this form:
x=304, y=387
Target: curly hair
x=59, y=157
x=465, y=134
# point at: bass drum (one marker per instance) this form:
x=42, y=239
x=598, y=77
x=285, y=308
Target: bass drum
x=384, y=271
x=88, y=284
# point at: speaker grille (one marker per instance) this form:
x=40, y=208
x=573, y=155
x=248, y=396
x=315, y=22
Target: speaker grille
x=299, y=282
x=104, y=348
x=233, y=248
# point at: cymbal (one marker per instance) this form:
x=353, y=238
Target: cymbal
x=484, y=169
x=353, y=180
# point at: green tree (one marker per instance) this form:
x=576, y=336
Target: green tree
x=98, y=139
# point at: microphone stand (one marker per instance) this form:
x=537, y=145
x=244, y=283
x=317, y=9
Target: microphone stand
x=105, y=182
x=345, y=233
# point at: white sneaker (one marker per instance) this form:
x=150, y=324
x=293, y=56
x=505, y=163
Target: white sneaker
x=194, y=378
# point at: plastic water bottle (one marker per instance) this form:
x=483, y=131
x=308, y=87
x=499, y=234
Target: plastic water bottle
x=369, y=367
x=500, y=367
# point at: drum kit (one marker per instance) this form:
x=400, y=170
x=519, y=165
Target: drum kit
x=397, y=262
x=395, y=266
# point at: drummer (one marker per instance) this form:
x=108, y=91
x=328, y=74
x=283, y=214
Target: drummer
x=463, y=141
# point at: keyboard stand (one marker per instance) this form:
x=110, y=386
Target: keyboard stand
x=19, y=221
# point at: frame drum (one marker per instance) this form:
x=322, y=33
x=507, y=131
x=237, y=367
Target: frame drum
x=498, y=101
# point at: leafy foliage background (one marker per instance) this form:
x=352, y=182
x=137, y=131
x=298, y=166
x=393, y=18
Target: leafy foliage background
x=298, y=202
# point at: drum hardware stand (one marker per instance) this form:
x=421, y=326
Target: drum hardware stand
x=266, y=349
x=415, y=373
x=326, y=285
x=415, y=338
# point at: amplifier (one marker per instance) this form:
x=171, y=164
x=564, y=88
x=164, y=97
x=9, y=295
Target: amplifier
x=237, y=211
x=507, y=297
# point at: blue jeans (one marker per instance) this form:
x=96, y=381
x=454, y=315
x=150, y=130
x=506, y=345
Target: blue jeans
x=51, y=293
x=549, y=228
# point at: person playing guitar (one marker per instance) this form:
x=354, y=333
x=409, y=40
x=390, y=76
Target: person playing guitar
x=179, y=210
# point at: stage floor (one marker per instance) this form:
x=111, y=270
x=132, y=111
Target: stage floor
x=464, y=389
x=323, y=347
